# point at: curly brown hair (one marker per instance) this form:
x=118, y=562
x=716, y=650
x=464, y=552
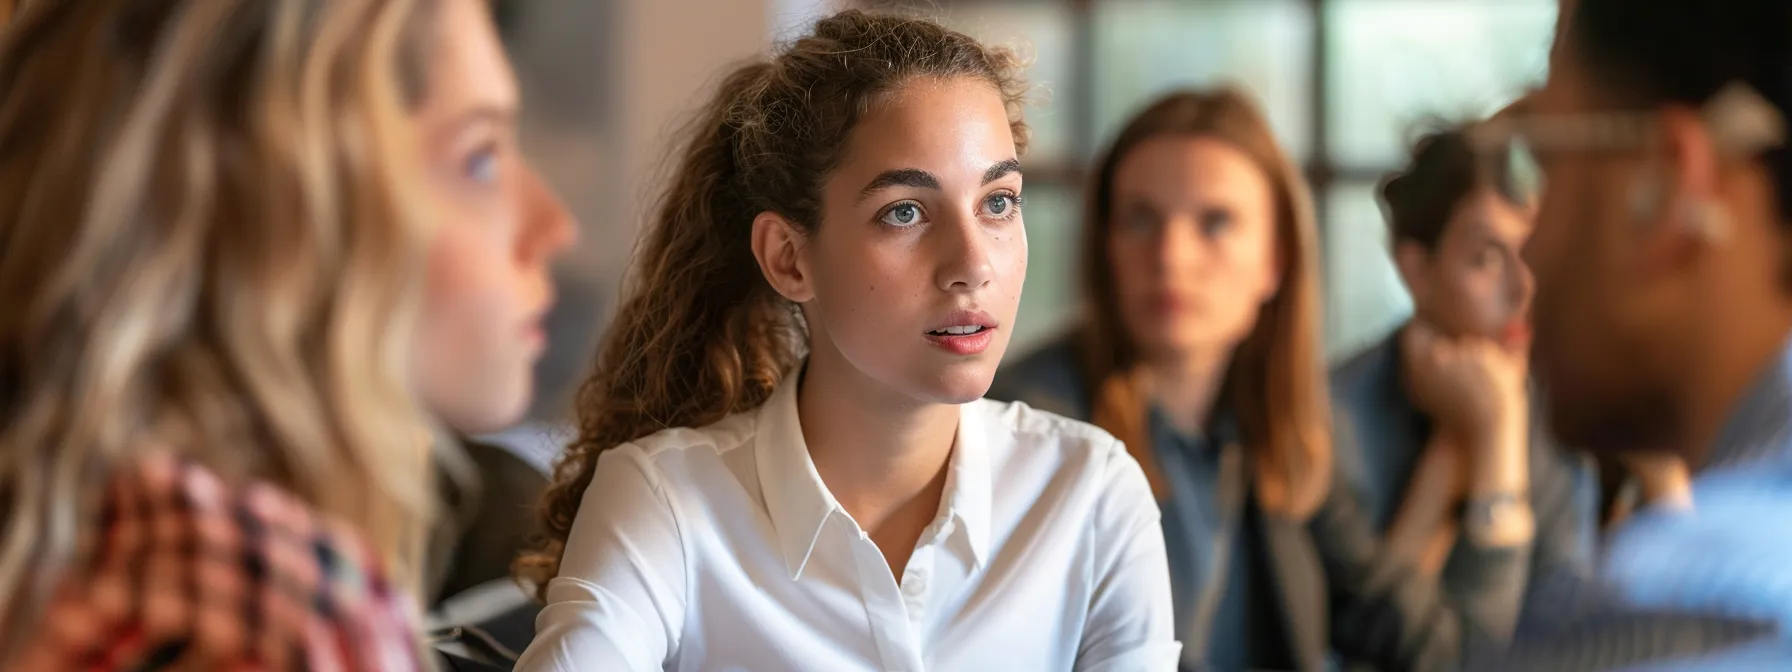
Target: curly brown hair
x=701, y=334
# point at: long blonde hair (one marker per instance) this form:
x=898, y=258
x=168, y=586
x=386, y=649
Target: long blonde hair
x=1275, y=385
x=210, y=246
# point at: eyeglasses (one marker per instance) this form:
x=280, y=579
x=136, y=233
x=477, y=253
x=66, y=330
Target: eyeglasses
x=1740, y=122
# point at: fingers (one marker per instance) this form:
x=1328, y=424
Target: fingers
x=1419, y=336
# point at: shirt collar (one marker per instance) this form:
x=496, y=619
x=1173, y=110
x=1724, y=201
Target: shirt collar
x=799, y=503
x=1760, y=426
x=969, y=484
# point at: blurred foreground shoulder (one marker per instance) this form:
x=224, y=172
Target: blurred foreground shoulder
x=207, y=576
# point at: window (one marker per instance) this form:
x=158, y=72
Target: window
x=1346, y=85
x=1144, y=48
x=1392, y=63
x=1039, y=33
x=1052, y=214
x=1364, y=298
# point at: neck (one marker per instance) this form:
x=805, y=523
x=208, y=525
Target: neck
x=1741, y=353
x=877, y=450
x=1187, y=385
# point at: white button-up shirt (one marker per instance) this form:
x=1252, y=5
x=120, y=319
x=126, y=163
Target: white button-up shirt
x=721, y=549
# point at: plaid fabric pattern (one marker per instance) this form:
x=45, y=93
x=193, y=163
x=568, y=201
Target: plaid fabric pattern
x=190, y=574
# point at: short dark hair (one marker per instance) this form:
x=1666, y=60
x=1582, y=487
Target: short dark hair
x=1445, y=169
x=1684, y=51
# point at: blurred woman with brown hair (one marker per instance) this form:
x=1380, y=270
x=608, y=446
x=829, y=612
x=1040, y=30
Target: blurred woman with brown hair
x=254, y=254
x=1201, y=350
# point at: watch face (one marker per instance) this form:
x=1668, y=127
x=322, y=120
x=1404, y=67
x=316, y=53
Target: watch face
x=1496, y=510
x=1490, y=518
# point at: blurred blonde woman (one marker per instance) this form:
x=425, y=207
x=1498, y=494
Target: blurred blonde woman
x=253, y=252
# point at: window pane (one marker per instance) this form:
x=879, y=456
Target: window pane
x=1390, y=64
x=1052, y=215
x=1146, y=48
x=1041, y=35
x=1364, y=298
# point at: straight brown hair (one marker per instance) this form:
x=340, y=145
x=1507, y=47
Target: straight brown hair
x=1275, y=384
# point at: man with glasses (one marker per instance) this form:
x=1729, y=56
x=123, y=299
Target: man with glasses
x=1663, y=262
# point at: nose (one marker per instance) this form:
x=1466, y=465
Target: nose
x=1520, y=284
x=1178, y=244
x=551, y=227
x=963, y=248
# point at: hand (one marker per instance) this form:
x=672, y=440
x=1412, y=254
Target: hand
x=1662, y=479
x=1471, y=387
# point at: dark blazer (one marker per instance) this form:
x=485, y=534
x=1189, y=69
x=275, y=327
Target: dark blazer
x=489, y=523
x=1340, y=602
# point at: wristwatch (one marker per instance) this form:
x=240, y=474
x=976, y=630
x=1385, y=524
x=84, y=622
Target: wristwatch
x=1498, y=519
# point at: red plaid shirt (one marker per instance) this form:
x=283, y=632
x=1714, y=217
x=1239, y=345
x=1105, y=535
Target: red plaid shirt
x=190, y=574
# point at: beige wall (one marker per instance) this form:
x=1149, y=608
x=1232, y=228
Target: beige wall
x=605, y=81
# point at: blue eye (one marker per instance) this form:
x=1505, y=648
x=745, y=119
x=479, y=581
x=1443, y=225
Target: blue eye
x=902, y=214
x=1001, y=206
x=482, y=166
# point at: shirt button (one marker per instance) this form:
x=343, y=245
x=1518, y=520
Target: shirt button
x=915, y=585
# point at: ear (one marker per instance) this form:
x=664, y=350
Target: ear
x=778, y=245
x=1676, y=202
x=1413, y=260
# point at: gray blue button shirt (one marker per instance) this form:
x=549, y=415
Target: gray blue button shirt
x=1705, y=589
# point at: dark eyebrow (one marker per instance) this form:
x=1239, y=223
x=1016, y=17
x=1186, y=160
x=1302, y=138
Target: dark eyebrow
x=999, y=170
x=903, y=177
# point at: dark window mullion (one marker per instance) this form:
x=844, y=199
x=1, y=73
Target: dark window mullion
x=1321, y=171
x=1083, y=142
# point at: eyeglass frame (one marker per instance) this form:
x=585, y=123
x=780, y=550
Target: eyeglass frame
x=1740, y=122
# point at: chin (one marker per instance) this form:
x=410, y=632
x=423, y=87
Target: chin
x=1191, y=341
x=489, y=409
x=1612, y=426
x=962, y=383
x=1603, y=414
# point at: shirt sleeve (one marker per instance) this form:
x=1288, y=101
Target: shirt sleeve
x=620, y=598
x=1704, y=589
x=1491, y=588
x=1382, y=617
x=1379, y=616
x=1130, y=625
